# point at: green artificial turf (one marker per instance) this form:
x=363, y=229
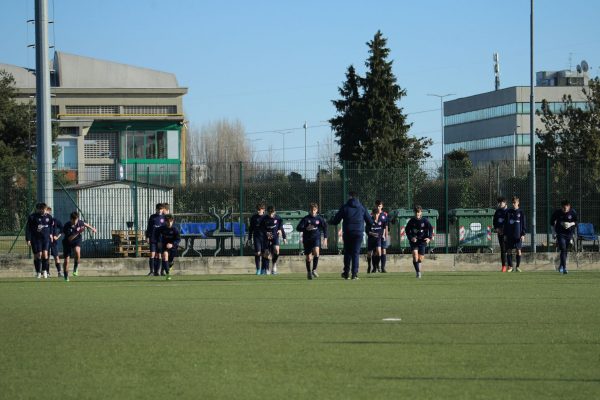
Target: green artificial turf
x=460, y=336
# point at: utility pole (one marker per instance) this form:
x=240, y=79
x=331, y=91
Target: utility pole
x=45, y=184
x=532, y=136
x=441, y=96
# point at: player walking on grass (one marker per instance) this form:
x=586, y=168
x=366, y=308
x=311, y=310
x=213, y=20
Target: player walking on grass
x=354, y=216
x=419, y=233
x=38, y=234
x=375, y=232
x=312, y=226
x=514, y=233
x=73, y=232
x=563, y=223
x=385, y=240
x=57, y=228
x=499, y=217
x=168, y=238
x=255, y=236
x=271, y=227
x=155, y=221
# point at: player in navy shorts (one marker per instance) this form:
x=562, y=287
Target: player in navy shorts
x=312, y=227
x=57, y=228
x=564, y=222
x=271, y=227
x=385, y=240
x=155, y=221
x=514, y=233
x=38, y=234
x=167, y=236
x=73, y=232
x=419, y=233
x=255, y=237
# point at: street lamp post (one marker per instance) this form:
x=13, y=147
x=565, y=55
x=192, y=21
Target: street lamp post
x=441, y=97
x=305, y=126
x=515, y=151
x=283, y=133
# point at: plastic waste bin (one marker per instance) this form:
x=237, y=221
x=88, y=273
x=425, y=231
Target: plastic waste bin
x=471, y=227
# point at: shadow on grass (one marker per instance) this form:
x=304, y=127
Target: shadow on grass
x=412, y=343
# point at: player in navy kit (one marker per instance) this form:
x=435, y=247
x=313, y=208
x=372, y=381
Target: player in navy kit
x=38, y=234
x=385, y=240
x=168, y=238
x=563, y=222
x=255, y=237
x=73, y=237
x=514, y=232
x=312, y=226
x=375, y=232
x=419, y=233
x=499, y=217
x=271, y=227
x=57, y=228
x=155, y=221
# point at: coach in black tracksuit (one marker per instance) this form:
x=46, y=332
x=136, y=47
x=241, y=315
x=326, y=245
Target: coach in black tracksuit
x=354, y=215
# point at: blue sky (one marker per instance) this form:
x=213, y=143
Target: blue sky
x=275, y=64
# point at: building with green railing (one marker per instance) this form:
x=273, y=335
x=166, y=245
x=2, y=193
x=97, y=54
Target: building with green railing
x=111, y=117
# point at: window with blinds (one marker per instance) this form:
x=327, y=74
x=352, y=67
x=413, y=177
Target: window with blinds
x=92, y=110
x=150, y=110
x=100, y=145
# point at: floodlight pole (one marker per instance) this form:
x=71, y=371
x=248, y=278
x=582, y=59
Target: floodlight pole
x=45, y=184
x=305, y=126
x=532, y=136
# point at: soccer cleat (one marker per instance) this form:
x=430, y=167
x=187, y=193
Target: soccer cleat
x=67, y=279
x=345, y=276
x=309, y=276
x=45, y=275
x=504, y=268
x=258, y=271
x=509, y=269
x=419, y=275
x=383, y=271
x=38, y=275
x=314, y=273
x=561, y=269
x=355, y=278
x=518, y=269
x=168, y=277
x=565, y=271
x=151, y=273
x=59, y=274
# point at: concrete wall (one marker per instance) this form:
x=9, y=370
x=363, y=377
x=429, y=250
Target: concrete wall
x=23, y=268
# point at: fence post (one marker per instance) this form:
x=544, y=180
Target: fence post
x=241, y=207
x=29, y=198
x=548, y=205
x=408, y=184
x=135, y=206
x=446, y=202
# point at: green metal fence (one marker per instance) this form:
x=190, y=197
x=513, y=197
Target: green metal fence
x=125, y=204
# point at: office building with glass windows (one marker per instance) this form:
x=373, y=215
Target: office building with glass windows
x=494, y=126
x=115, y=121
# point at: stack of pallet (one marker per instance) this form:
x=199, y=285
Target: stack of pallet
x=124, y=242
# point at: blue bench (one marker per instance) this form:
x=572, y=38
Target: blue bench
x=585, y=231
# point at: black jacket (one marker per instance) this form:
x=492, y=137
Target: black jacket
x=354, y=216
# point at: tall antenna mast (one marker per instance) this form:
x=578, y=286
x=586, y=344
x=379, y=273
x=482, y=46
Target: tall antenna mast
x=496, y=71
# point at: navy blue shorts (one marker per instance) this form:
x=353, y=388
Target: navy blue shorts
x=153, y=247
x=54, y=249
x=373, y=242
x=69, y=247
x=310, y=244
x=513, y=243
x=40, y=244
x=384, y=244
x=418, y=245
x=259, y=244
x=272, y=242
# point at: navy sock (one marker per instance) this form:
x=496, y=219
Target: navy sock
x=165, y=266
x=369, y=260
x=307, y=265
x=156, y=264
x=257, y=262
x=45, y=265
x=58, y=267
x=66, y=274
x=416, y=265
x=275, y=257
x=518, y=260
x=37, y=263
x=509, y=259
x=563, y=258
x=383, y=261
x=151, y=264
x=75, y=266
x=376, y=263
x=265, y=263
x=315, y=263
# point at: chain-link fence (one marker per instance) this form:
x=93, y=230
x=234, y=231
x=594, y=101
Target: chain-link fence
x=219, y=198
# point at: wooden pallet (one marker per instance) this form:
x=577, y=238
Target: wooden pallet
x=128, y=235
x=129, y=250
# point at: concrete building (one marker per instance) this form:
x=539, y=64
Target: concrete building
x=494, y=126
x=115, y=120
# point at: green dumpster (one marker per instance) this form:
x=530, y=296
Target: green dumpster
x=471, y=227
x=290, y=222
x=400, y=218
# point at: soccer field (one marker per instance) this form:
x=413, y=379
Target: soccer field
x=457, y=335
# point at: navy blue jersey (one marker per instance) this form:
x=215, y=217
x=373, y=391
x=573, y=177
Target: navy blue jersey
x=559, y=218
x=514, y=224
x=166, y=235
x=154, y=222
x=419, y=229
x=377, y=228
x=312, y=227
x=57, y=227
x=499, y=217
x=254, y=228
x=271, y=226
x=39, y=227
x=73, y=231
